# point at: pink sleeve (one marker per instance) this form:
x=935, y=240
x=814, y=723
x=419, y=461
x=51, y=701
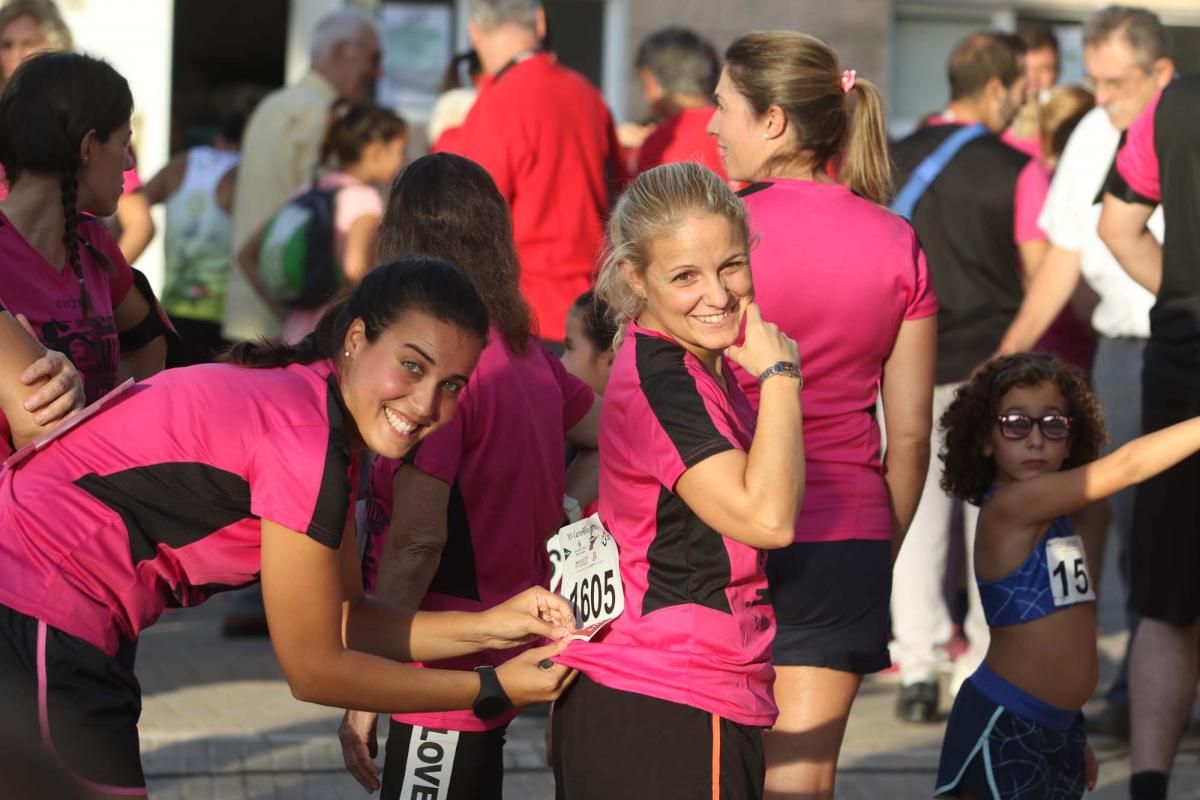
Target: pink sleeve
x=684, y=424
x=353, y=202
x=300, y=478
x=922, y=302
x=1033, y=184
x=578, y=397
x=1137, y=160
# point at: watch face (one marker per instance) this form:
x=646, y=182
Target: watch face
x=490, y=707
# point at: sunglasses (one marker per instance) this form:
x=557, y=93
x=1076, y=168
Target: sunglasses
x=1018, y=426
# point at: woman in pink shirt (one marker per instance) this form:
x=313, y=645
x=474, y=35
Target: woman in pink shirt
x=203, y=479
x=676, y=691
x=463, y=522
x=64, y=138
x=847, y=279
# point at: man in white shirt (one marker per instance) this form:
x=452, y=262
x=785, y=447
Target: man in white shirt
x=1125, y=56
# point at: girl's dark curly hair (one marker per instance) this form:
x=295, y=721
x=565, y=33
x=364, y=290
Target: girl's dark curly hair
x=967, y=423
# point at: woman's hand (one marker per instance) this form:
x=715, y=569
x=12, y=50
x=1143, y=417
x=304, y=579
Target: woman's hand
x=360, y=746
x=1091, y=767
x=62, y=393
x=535, y=613
x=533, y=677
x=763, y=344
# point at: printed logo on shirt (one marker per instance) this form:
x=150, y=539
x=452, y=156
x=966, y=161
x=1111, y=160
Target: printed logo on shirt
x=429, y=765
x=93, y=348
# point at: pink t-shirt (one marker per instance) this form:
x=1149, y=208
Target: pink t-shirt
x=1137, y=160
x=49, y=298
x=502, y=456
x=839, y=275
x=354, y=200
x=698, y=622
x=156, y=501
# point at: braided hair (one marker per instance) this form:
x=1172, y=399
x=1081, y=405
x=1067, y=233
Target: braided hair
x=48, y=106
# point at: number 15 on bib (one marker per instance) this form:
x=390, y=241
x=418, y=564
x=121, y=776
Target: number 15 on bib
x=591, y=575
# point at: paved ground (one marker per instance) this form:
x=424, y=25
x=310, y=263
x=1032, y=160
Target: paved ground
x=219, y=723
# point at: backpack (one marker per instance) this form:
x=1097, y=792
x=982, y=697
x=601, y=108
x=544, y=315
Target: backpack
x=297, y=262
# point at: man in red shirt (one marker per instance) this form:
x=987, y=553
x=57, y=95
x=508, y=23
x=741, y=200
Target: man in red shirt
x=546, y=137
x=679, y=72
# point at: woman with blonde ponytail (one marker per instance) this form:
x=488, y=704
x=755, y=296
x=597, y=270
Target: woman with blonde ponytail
x=847, y=280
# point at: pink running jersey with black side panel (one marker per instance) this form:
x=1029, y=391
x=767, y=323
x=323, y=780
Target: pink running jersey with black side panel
x=698, y=623
x=156, y=501
x=502, y=457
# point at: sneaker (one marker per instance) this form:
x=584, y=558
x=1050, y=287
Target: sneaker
x=918, y=702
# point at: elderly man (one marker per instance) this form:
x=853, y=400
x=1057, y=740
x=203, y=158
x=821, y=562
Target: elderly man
x=281, y=144
x=547, y=139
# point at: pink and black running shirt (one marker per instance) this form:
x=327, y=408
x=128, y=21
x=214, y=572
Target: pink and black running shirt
x=156, y=502
x=698, y=623
x=502, y=457
x=49, y=298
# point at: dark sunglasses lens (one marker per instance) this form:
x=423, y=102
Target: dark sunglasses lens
x=1015, y=426
x=1055, y=427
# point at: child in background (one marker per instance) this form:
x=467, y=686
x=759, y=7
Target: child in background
x=1021, y=440
x=588, y=348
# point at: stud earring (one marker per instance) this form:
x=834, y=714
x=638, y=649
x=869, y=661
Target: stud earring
x=347, y=354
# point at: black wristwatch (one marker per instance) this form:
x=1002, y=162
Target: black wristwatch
x=491, y=701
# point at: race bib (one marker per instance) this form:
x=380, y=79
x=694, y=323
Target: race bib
x=591, y=575
x=1067, y=565
x=430, y=763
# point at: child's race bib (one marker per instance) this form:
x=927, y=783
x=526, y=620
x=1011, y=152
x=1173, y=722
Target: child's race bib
x=1067, y=565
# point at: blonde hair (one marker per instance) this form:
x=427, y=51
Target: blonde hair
x=45, y=15
x=1059, y=116
x=653, y=207
x=801, y=74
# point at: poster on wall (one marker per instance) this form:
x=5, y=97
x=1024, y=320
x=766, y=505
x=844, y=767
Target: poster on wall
x=418, y=41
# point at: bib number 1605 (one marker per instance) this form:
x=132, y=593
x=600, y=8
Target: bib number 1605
x=591, y=574
x=594, y=597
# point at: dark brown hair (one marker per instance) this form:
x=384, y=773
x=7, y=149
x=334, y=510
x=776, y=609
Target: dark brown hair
x=353, y=127
x=801, y=74
x=598, y=323
x=983, y=56
x=1037, y=35
x=414, y=283
x=447, y=206
x=968, y=422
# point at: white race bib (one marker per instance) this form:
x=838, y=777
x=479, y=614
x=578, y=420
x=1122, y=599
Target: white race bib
x=1067, y=565
x=591, y=575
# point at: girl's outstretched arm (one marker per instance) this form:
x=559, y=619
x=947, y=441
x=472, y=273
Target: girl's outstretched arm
x=1039, y=500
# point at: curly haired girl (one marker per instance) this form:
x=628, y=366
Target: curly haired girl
x=1021, y=440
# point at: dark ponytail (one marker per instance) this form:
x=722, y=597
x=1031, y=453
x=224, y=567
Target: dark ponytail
x=70, y=205
x=412, y=283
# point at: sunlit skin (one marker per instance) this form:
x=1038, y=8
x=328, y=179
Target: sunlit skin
x=580, y=356
x=743, y=138
x=1020, y=459
x=406, y=384
x=1122, y=83
x=1041, y=70
x=696, y=285
x=102, y=175
x=20, y=39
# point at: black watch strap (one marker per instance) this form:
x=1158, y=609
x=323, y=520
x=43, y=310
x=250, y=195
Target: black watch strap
x=491, y=701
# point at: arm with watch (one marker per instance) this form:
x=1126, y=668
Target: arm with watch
x=754, y=496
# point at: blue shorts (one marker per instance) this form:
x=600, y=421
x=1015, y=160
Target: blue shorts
x=1003, y=743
